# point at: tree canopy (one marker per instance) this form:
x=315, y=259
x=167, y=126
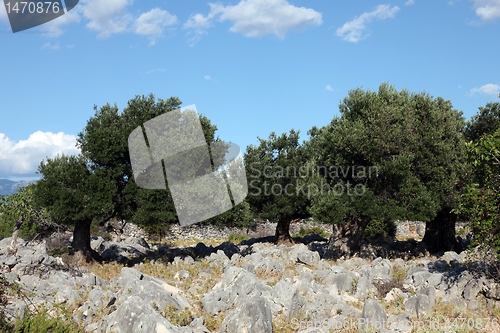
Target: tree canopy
x=18, y=212
x=404, y=151
x=99, y=184
x=486, y=121
x=274, y=181
x=480, y=203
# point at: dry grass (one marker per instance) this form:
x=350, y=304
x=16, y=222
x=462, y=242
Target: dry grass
x=214, y=322
x=441, y=314
x=193, y=241
x=456, y=318
x=106, y=271
x=408, y=238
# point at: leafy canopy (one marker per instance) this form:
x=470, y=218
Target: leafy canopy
x=481, y=201
x=274, y=179
x=20, y=208
x=412, y=144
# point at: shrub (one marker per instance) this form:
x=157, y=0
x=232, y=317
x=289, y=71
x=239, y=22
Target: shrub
x=311, y=231
x=4, y=287
x=236, y=238
x=179, y=318
x=42, y=322
x=481, y=200
x=379, y=230
x=55, y=252
x=399, y=274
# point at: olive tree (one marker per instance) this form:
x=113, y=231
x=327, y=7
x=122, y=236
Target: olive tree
x=19, y=209
x=486, y=121
x=389, y=155
x=274, y=181
x=99, y=184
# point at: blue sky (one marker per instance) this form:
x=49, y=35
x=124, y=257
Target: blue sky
x=251, y=66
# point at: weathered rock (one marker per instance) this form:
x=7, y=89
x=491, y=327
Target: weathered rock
x=308, y=257
x=493, y=291
x=372, y=316
x=400, y=324
x=363, y=288
x=418, y=279
x=237, y=284
x=394, y=293
x=472, y=288
x=339, y=277
x=381, y=270
x=252, y=316
x=282, y=295
x=181, y=275
x=421, y=303
x=136, y=316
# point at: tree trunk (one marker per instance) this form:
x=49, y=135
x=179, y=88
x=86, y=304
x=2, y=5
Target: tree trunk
x=440, y=233
x=81, y=241
x=283, y=232
x=346, y=237
x=13, y=243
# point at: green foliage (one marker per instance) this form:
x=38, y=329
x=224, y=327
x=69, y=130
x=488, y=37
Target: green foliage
x=380, y=230
x=239, y=216
x=404, y=152
x=55, y=252
x=178, y=317
x=4, y=291
x=20, y=208
x=486, y=121
x=42, y=322
x=99, y=184
x=236, y=238
x=274, y=180
x=311, y=231
x=481, y=201
x=6, y=228
x=72, y=192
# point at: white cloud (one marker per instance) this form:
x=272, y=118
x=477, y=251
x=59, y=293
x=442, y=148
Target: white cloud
x=156, y=70
x=54, y=28
x=198, y=21
x=208, y=77
x=328, y=88
x=50, y=46
x=107, y=17
x=487, y=89
x=195, y=36
x=409, y=2
x=24, y=157
x=487, y=10
x=152, y=23
x=353, y=31
x=254, y=18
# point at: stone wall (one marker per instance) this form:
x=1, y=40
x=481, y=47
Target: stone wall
x=417, y=228
x=261, y=229
x=410, y=228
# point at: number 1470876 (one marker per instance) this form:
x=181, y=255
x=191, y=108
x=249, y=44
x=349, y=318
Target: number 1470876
x=32, y=7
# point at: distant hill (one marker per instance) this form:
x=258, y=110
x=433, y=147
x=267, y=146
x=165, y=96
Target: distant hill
x=9, y=187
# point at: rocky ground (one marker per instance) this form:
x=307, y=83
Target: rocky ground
x=255, y=286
